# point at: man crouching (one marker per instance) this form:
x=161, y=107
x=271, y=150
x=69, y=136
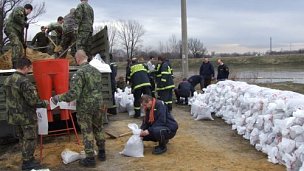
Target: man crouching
x=158, y=124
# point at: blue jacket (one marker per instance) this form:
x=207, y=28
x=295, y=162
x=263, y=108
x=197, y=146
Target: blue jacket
x=185, y=89
x=162, y=117
x=207, y=70
x=195, y=79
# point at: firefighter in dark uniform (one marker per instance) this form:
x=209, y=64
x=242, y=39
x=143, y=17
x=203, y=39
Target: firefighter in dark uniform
x=164, y=81
x=184, y=89
x=113, y=67
x=140, y=83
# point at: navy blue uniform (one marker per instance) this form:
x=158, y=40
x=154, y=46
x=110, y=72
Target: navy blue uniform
x=222, y=72
x=164, y=126
x=196, y=79
x=140, y=84
x=185, y=89
x=207, y=72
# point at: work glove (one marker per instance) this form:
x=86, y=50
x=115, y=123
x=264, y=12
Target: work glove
x=26, y=25
x=55, y=99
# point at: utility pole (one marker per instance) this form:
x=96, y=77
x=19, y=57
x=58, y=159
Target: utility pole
x=184, y=39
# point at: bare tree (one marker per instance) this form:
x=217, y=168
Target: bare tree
x=130, y=33
x=196, y=47
x=6, y=6
x=173, y=44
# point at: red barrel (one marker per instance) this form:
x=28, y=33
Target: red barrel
x=52, y=74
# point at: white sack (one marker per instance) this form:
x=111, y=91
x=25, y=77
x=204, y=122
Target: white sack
x=69, y=156
x=43, y=124
x=135, y=146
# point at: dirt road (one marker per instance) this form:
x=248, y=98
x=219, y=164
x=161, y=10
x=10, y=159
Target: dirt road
x=198, y=145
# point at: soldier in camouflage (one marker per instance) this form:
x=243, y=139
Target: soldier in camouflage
x=69, y=33
x=86, y=88
x=56, y=30
x=84, y=16
x=14, y=30
x=21, y=103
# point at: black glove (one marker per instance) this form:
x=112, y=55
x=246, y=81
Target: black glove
x=26, y=25
x=55, y=99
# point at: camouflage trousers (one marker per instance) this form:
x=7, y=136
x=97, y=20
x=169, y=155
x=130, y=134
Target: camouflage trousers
x=83, y=42
x=16, y=44
x=27, y=135
x=67, y=40
x=91, y=128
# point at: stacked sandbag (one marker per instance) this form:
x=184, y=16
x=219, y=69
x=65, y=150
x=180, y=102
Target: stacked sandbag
x=124, y=101
x=272, y=120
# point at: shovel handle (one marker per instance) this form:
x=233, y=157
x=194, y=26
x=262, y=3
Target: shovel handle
x=124, y=134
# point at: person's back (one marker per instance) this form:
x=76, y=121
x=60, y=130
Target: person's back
x=87, y=83
x=84, y=16
x=195, y=79
x=185, y=89
x=69, y=24
x=16, y=21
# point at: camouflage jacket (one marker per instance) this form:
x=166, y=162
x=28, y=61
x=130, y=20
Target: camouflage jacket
x=15, y=22
x=69, y=24
x=86, y=88
x=56, y=29
x=21, y=99
x=84, y=16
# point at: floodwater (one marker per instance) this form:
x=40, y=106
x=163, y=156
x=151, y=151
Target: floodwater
x=259, y=74
x=252, y=74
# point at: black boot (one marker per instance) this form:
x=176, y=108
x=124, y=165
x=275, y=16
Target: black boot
x=161, y=148
x=88, y=162
x=102, y=155
x=31, y=164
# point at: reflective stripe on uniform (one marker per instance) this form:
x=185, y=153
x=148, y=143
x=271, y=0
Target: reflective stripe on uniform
x=142, y=85
x=137, y=68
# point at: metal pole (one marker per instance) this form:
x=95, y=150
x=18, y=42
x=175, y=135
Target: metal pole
x=184, y=39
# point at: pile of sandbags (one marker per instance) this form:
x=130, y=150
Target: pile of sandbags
x=33, y=55
x=124, y=101
x=272, y=120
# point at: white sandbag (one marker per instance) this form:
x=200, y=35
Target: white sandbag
x=69, y=156
x=272, y=155
x=130, y=109
x=67, y=105
x=287, y=145
x=43, y=124
x=135, y=146
x=298, y=113
x=203, y=112
x=100, y=65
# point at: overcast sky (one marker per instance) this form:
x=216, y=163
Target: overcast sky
x=222, y=25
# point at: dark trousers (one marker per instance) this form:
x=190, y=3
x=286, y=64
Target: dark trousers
x=207, y=81
x=151, y=78
x=166, y=96
x=179, y=93
x=137, y=95
x=159, y=134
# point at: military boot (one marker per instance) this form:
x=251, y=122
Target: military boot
x=161, y=148
x=102, y=151
x=31, y=164
x=88, y=162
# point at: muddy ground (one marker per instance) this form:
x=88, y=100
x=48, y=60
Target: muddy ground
x=198, y=145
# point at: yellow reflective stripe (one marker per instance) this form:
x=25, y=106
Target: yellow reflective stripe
x=168, y=102
x=142, y=85
x=166, y=73
x=137, y=68
x=164, y=88
x=159, y=75
x=137, y=108
x=164, y=80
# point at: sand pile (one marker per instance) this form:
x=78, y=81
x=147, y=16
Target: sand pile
x=33, y=55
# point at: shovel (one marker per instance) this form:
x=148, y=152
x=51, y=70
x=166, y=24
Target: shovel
x=114, y=136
